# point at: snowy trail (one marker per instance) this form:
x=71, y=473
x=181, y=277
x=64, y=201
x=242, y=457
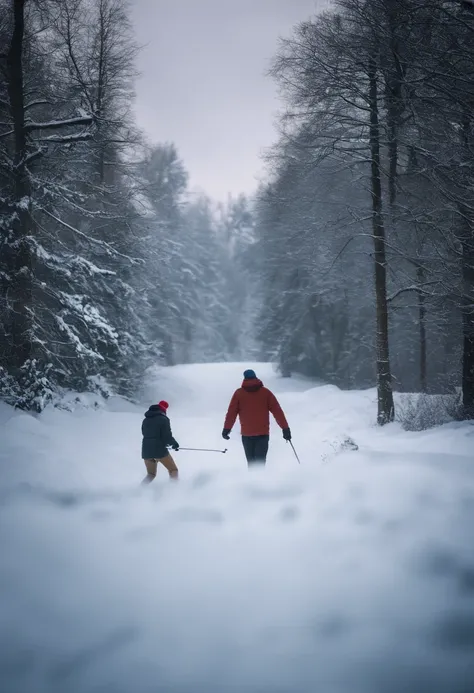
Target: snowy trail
x=353, y=572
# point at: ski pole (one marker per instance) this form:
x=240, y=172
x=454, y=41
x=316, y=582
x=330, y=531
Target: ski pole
x=294, y=451
x=203, y=450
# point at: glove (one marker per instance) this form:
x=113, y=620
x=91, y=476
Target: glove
x=175, y=445
x=226, y=433
x=286, y=434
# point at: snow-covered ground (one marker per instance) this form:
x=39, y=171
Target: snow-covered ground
x=350, y=573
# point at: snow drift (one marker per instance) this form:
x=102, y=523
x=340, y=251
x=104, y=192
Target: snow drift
x=352, y=572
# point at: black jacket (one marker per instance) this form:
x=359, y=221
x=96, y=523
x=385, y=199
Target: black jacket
x=157, y=436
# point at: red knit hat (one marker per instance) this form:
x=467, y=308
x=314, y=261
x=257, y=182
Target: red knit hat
x=163, y=405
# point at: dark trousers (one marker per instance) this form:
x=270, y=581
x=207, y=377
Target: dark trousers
x=256, y=448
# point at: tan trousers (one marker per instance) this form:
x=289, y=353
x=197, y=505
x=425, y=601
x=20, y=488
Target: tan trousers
x=152, y=466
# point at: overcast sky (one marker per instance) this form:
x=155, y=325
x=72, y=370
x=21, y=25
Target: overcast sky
x=203, y=84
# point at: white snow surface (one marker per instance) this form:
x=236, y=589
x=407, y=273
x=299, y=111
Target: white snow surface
x=350, y=573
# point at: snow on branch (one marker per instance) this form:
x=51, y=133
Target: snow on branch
x=58, y=124
x=417, y=288
x=74, y=339
x=89, y=314
x=66, y=139
x=33, y=155
x=66, y=263
x=90, y=267
x=110, y=250
x=38, y=102
x=63, y=193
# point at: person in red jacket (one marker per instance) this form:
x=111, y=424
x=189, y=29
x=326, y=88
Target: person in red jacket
x=253, y=403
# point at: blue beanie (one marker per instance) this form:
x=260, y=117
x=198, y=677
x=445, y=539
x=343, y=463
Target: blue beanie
x=249, y=374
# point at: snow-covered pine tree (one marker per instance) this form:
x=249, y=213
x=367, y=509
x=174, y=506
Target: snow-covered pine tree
x=67, y=243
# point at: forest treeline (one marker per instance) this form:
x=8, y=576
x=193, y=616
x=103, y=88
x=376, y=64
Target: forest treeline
x=109, y=263
x=367, y=222
x=353, y=263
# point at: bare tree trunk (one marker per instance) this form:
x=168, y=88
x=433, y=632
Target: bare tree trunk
x=393, y=115
x=103, y=30
x=467, y=269
x=422, y=326
x=467, y=313
x=395, y=106
x=468, y=330
x=19, y=344
x=386, y=409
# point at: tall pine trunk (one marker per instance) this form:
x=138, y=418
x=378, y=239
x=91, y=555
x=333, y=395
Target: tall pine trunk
x=20, y=291
x=386, y=409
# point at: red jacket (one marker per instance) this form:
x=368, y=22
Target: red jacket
x=252, y=403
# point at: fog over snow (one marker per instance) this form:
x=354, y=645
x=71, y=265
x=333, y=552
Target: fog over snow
x=353, y=571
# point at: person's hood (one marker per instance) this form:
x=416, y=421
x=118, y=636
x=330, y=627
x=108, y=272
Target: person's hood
x=252, y=385
x=154, y=410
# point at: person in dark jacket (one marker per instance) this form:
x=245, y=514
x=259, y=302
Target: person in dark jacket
x=157, y=437
x=253, y=403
